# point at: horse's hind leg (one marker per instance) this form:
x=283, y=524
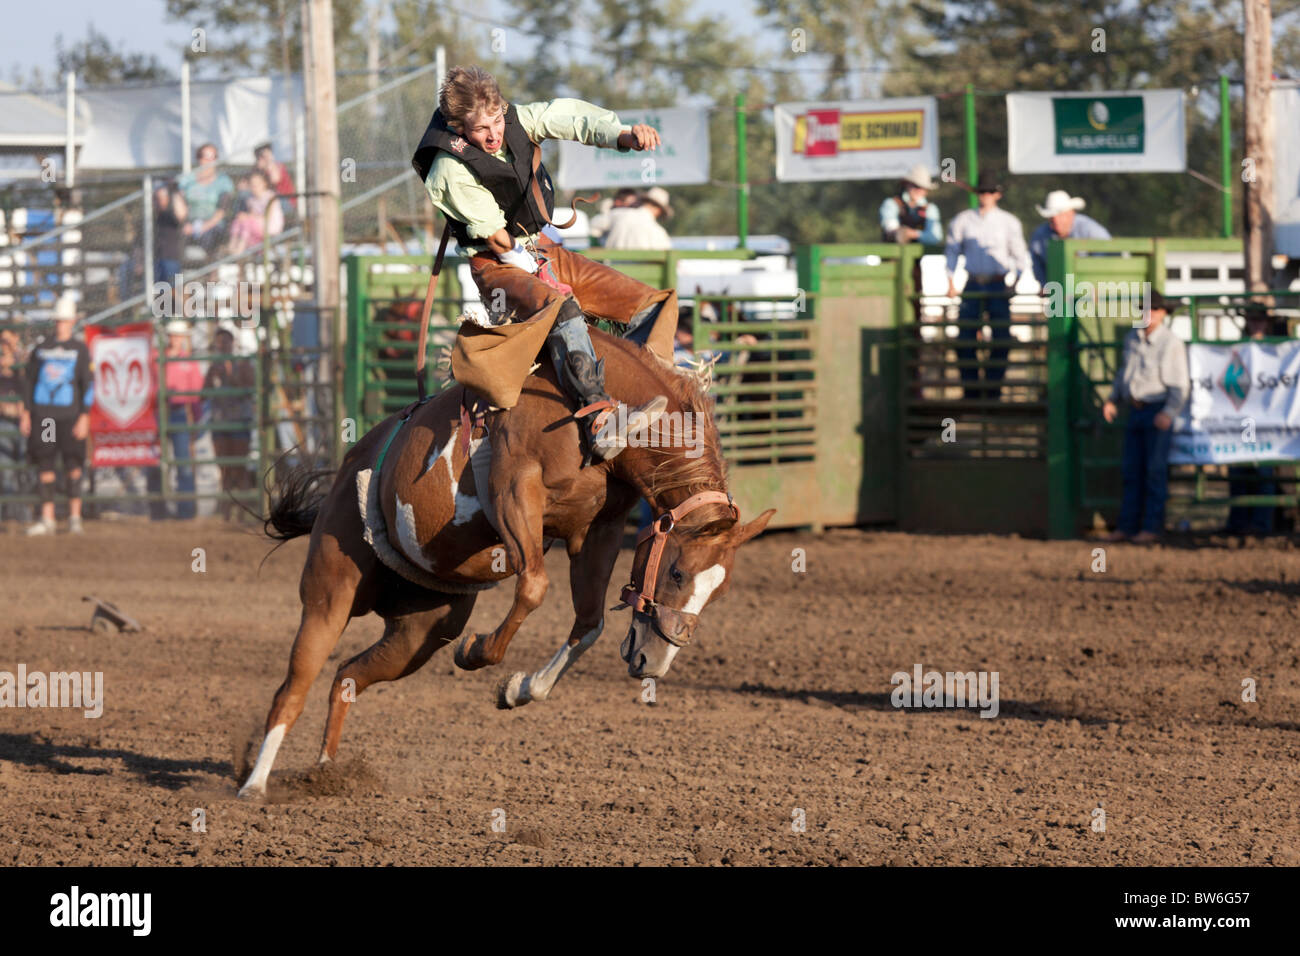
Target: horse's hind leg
x=410, y=638
x=328, y=590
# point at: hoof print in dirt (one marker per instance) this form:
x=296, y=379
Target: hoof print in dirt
x=532, y=836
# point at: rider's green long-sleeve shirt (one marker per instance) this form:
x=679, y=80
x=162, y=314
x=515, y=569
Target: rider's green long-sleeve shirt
x=458, y=193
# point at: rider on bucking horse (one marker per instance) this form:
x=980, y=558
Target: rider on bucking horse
x=480, y=162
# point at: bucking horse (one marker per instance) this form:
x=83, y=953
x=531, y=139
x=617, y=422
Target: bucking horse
x=436, y=504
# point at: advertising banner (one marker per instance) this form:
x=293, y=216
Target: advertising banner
x=682, y=159
x=1244, y=404
x=864, y=139
x=124, y=416
x=1096, y=132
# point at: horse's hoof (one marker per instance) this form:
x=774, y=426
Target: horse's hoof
x=461, y=658
x=469, y=655
x=252, y=794
x=508, y=692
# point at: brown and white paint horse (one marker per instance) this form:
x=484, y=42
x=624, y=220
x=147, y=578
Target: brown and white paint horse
x=433, y=512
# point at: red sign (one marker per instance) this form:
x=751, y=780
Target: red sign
x=823, y=136
x=124, y=416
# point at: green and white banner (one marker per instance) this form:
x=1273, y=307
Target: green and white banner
x=1141, y=132
x=1245, y=404
x=681, y=160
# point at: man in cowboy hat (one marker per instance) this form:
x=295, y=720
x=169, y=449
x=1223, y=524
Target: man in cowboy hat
x=1064, y=221
x=993, y=242
x=910, y=216
x=639, y=228
x=56, y=414
x=1153, y=382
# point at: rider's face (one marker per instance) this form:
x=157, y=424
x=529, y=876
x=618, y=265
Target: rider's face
x=486, y=129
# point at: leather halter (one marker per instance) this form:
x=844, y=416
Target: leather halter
x=643, y=599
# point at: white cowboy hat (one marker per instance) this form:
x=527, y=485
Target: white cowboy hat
x=919, y=176
x=178, y=327
x=65, y=308
x=1059, y=201
x=659, y=196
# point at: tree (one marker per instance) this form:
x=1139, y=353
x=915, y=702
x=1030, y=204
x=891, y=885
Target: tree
x=96, y=63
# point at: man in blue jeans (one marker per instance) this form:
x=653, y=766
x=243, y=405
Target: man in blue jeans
x=1153, y=382
x=992, y=241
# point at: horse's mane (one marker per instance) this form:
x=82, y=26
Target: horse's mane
x=688, y=391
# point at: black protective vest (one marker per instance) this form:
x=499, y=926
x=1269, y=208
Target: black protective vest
x=507, y=181
x=913, y=218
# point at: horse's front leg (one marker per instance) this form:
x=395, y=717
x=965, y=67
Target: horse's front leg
x=519, y=510
x=591, y=562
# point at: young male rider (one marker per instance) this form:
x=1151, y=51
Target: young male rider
x=477, y=159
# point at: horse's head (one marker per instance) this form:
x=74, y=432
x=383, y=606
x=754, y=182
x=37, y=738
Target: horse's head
x=678, y=569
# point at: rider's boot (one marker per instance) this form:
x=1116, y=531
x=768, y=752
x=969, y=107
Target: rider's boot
x=605, y=426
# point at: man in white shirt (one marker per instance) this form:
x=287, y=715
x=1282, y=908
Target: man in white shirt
x=639, y=228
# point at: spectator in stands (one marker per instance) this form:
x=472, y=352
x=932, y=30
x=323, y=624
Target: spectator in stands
x=261, y=216
x=170, y=212
x=11, y=436
x=639, y=227
x=993, y=242
x=1154, y=383
x=56, y=416
x=910, y=216
x=1064, y=221
x=209, y=194
x=181, y=376
x=231, y=415
x=1254, y=479
x=623, y=199
x=277, y=174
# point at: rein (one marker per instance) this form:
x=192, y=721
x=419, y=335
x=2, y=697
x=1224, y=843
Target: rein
x=642, y=600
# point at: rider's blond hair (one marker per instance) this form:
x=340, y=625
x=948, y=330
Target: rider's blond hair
x=468, y=90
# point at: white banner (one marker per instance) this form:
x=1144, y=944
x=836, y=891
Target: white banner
x=861, y=139
x=141, y=128
x=1139, y=132
x=681, y=160
x=1286, y=157
x=1244, y=404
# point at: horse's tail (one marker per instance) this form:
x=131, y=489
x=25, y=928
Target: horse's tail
x=295, y=501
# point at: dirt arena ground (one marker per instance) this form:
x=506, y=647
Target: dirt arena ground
x=1120, y=690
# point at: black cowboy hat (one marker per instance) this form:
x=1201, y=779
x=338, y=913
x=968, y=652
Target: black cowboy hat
x=1158, y=301
x=988, y=183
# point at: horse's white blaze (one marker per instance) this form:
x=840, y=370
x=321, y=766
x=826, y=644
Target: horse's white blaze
x=706, y=582
x=265, y=757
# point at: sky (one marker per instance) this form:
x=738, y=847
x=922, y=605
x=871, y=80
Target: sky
x=30, y=28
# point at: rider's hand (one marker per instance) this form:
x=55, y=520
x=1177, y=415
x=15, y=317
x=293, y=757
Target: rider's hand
x=639, y=137
x=519, y=257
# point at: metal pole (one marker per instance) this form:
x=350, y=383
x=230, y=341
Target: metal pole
x=70, y=131
x=185, y=116
x=742, y=176
x=440, y=64
x=1225, y=153
x=147, y=232
x=972, y=155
